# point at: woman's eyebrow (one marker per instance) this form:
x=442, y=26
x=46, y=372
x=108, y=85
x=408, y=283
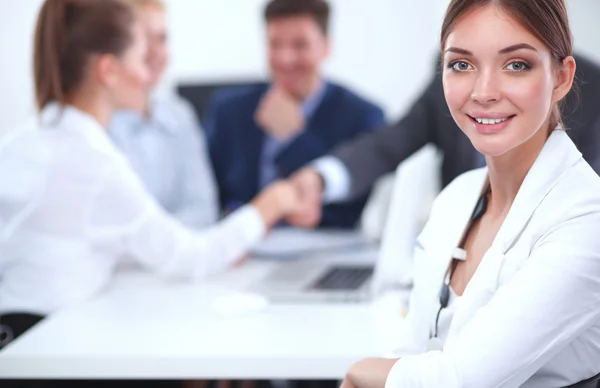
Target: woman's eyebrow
x=505, y=50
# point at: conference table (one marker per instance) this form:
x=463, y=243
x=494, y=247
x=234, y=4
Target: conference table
x=147, y=327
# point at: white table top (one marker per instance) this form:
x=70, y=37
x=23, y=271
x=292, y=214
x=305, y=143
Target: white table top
x=146, y=327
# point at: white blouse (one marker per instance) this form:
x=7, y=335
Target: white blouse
x=530, y=315
x=71, y=208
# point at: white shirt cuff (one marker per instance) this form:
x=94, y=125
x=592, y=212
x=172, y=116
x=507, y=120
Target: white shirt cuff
x=252, y=227
x=428, y=370
x=336, y=177
x=393, y=378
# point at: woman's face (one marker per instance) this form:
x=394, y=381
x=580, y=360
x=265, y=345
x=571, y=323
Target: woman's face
x=500, y=81
x=130, y=90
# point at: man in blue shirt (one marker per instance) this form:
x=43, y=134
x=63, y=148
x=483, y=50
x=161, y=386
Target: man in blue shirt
x=261, y=133
x=164, y=144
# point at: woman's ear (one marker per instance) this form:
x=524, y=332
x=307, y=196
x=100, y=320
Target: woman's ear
x=106, y=70
x=565, y=78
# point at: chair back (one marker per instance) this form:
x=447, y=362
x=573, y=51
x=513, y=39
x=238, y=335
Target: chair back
x=416, y=184
x=199, y=93
x=592, y=382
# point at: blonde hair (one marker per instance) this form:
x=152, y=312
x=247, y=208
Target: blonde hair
x=141, y=3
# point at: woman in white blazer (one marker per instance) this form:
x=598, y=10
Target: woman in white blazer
x=507, y=279
x=71, y=206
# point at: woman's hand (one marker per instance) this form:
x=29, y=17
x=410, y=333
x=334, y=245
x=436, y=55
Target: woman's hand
x=369, y=373
x=280, y=199
x=309, y=184
x=347, y=383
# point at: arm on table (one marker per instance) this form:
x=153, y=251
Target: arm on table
x=369, y=373
x=549, y=298
x=127, y=218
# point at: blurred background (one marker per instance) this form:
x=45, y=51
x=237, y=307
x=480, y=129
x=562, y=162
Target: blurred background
x=383, y=49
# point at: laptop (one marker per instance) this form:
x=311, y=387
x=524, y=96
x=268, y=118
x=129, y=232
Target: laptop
x=340, y=272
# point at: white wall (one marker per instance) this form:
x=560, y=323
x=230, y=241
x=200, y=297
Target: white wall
x=17, y=20
x=382, y=48
x=584, y=15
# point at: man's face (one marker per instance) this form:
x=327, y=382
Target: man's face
x=154, y=22
x=296, y=47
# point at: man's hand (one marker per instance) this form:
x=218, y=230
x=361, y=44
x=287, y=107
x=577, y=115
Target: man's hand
x=278, y=200
x=280, y=114
x=309, y=184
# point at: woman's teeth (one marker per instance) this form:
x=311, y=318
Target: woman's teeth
x=491, y=121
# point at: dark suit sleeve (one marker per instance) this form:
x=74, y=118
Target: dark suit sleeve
x=373, y=155
x=588, y=142
x=347, y=214
x=581, y=111
x=309, y=145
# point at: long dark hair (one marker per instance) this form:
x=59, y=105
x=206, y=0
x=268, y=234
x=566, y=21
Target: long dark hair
x=546, y=19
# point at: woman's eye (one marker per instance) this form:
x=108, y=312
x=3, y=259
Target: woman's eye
x=461, y=66
x=518, y=66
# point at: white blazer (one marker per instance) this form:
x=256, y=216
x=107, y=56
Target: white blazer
x=71, y=208
x=530, y=316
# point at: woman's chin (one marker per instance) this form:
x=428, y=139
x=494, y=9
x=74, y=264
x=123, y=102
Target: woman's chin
x=490, y=148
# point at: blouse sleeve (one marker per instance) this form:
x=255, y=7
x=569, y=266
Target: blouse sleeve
x=123, y=215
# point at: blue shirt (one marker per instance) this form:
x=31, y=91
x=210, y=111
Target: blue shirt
x=168, y=151
x=271, y=146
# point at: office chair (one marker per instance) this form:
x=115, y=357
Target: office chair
x=199, y=93
x=592, y=382
x=415, y=185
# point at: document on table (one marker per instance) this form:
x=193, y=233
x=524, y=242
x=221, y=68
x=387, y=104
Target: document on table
x=292, y=243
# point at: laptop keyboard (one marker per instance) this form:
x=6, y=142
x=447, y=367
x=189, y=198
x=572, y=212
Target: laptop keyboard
x=343, y=278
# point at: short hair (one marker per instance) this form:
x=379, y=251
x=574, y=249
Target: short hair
x=319, y=10
x=141, y=3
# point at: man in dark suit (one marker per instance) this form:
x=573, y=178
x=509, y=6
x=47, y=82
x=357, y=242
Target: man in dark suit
x=352, y=168
x=258, y=134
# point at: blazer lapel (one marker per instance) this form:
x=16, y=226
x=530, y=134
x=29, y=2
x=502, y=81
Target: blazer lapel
x=435, y=247
x=558, y=155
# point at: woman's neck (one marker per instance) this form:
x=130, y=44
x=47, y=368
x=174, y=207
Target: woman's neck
x=146, y=112
x=507, y=172
x=93, y=105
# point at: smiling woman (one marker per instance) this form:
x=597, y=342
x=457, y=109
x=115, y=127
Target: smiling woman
x=509, y=262
x=526, y=61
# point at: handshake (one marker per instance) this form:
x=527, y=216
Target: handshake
x=296, y=200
